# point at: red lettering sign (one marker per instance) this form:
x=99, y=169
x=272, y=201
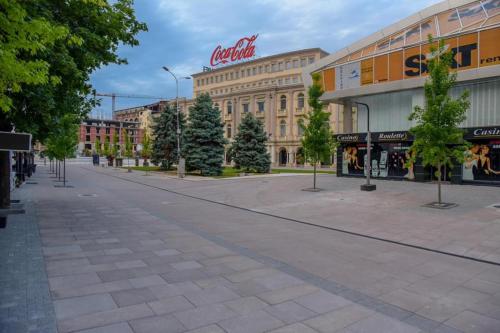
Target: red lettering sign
x=243, y=49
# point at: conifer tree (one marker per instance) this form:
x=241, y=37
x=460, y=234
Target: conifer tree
x=204, y=138
x=248, y=150
x=165, y=138
x=438, y=138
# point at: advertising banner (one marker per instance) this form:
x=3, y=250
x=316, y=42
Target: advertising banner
x=347, y=76
x=482, y=160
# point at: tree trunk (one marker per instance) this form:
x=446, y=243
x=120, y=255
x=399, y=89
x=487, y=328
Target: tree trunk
x=4, y=179
x=439, y=183
x=314, y=176
x=64, y=175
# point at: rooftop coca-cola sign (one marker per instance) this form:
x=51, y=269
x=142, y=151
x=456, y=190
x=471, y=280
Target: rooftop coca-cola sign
x=243, y=49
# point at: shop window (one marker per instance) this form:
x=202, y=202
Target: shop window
x=283, y=102
x=283, y=128
x=300, y=101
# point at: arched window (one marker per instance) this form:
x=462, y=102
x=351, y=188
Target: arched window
x=229, y=107
x=282, y=128
x=300, y=101
x=300, y=129
x=283, y=102
x=136, y=119
x=228, y=131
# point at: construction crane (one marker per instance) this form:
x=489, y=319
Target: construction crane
x=114, y=96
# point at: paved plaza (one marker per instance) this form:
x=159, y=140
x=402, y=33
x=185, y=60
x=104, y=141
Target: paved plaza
x=126, y=252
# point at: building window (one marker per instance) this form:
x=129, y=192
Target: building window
x=228, y=130
x=231, y=75
x=242, y=73
x=287, y=80
x=300, y=101
x=227, y=76
x=260, y=106
x=87, y=138
x=300, y=129
x=216, y=105
x=273, y=68
x=280, y=82
x=267, y=68
x=288, y=65
x=311, y=60
x=237, y=75
x=248, y=72
x=211, y=79
x=216, y=79
x=283, y=102
x=295, y=63
x=260, y=69
x=87, y=129
x=280, y=66
x=303, y=62
x=283, y=128
x=107, y=130
x=254, y=71
x=229, y=108
x=245, y=107
x=198, y=82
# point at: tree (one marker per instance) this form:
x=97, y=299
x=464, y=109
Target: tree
x=98, y=148
x=165, y=138
x=128, y=147
x=146, y=148
x=49, y=49
x=63, y=140
x=317, y=142
x=204, y=138
x=107, y=148
x=438, y=139
x=248, y=150
x=115, y=147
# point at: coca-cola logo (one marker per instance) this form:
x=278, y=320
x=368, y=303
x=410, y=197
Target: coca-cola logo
x=243, y=49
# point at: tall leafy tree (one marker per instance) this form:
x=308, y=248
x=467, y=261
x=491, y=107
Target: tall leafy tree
x=204, y=138
x=248, y=150
x=127, y=147
x=317, y=142
x=49, y=48
x=438, y=139
x=165, y=138
x=107, y=148
x=115, y=148
x=98, y=146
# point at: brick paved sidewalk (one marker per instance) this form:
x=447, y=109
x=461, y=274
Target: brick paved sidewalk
x=115, y=268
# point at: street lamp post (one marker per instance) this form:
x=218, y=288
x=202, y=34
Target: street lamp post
x=368, y=166
x=180, y=163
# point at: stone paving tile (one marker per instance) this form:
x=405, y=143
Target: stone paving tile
x=105, y=318
x=133, y=296
x=147, y=281
x=250, y=274
x=322, y=301
x=169, y=305
x=211, y=295
x=286, y=294
x=246, y=305
x=380, y=324
x=166, y=252
x=205, y=315
x=174, y=289
x=248, y=288
x=208, y=329
x=130, y=264
x=91, y=289
x=186, y=265
x=338, y=319
x=157, y=324
x=114, y=328
x=294, y=328
x=290, y=312
x=73, y=281
x=406, y=299
x=471, y=322
x=77, y=306
x=255, y=322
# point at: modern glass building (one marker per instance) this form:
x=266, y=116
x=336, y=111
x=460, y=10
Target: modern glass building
x=387, y=71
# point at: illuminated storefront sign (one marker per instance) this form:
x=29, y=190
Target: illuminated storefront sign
x=243, y=49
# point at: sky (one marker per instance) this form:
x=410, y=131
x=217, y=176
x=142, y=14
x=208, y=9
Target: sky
x=182, y=35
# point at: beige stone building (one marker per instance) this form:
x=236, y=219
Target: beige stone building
x=272, y=89
x=269, y=87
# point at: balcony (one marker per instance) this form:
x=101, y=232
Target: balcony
x=260, y=114
x=282, y=113
x=228, y=116
x=299, y=111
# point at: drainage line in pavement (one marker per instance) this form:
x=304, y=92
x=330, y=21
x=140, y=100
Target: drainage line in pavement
x=352, y=233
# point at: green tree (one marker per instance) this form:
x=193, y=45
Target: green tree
x=317, y=142
x=115, y=148
x=63, y=139
x=107, y=148
x=128, y=147
x=146, y=148
x=165, y=138
x=204, y=138
x=248, y=150
x=438, y=139
x=98, y=148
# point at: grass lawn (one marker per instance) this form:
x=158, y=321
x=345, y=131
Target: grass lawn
x=331, y=172
x=229, y=171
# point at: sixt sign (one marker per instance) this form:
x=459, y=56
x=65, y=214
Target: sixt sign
x=416, y=65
